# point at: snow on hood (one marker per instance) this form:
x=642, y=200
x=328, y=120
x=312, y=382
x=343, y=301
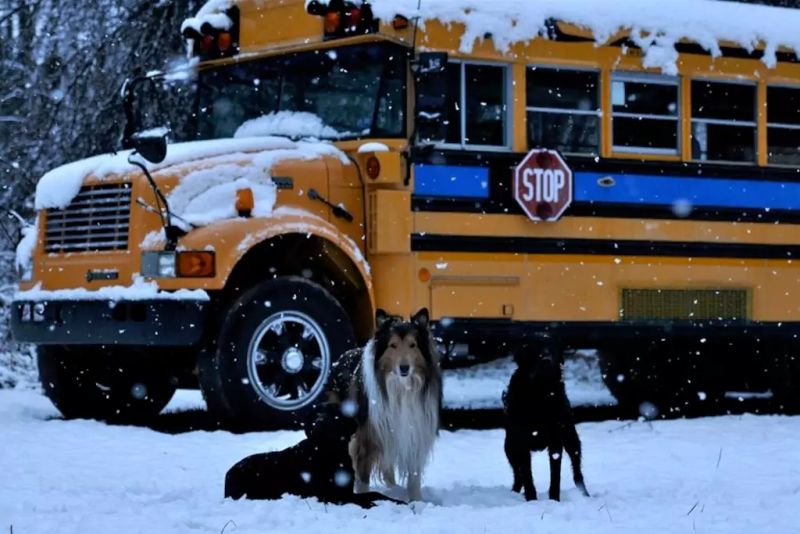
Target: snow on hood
x=57, y=188
x=290, y=123
x=655, y=26
x=208, y=195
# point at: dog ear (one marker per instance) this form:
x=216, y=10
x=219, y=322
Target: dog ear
x=421, y=318
x=381, y=317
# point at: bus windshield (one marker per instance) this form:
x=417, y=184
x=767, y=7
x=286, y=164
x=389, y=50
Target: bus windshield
x=339, y=93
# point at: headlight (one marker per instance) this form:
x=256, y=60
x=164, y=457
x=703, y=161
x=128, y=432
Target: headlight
x=185, y=264
x=158, y=264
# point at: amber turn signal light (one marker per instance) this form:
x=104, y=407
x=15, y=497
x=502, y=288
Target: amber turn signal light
x=245, y=202
x=399, y=22
x=424, y=275
x=332, y=21
x=195, y=264
x=373, y=167
x=224, y=41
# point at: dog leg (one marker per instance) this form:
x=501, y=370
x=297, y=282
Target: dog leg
x=513, y=461
x=361, y=453
x=555, y=452
x=572, y=444
x=414, y=486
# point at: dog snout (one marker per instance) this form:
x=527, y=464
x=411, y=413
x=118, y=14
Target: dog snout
x=404, y=368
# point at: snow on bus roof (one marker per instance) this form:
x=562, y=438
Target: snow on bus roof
x=654, y=26
x=212, y=13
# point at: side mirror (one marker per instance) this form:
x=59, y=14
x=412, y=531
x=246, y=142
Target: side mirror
x=151, y=144
x=431, y=95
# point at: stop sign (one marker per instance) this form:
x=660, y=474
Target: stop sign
x=543, y=185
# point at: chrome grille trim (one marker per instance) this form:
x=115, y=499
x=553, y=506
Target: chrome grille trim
x=97, y=219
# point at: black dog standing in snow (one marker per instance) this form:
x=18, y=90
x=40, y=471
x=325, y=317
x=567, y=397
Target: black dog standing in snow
x=538, y=417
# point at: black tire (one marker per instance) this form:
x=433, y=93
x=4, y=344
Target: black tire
x=785, y=377
x=273, y=353
x=107, y=384
x=655, y=380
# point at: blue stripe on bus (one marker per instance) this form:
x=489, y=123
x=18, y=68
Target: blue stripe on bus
x=697, y=192
x=451, y=181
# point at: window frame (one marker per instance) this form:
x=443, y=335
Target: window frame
x=779, y=125
x=563, y=111
x=725, y=122
x=462, y=97
x=653, y=79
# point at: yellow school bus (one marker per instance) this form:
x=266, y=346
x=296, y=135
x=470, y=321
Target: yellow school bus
x=327, y=159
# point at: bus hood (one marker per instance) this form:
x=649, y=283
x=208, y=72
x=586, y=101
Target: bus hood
x=57, y=188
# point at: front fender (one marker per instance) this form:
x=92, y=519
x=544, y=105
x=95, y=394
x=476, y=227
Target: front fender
x=232, y=239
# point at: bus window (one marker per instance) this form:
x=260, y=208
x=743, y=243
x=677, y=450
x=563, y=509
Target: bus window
x=478, y=109
x=723, y=121
x=783, y=125
x=645, y=114
x=563, y=110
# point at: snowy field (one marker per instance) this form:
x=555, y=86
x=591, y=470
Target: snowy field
x=722, y=474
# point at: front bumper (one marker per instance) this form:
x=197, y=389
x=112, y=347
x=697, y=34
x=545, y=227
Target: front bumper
x=109, y=322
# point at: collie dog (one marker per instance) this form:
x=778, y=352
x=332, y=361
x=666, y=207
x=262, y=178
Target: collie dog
x=397, y=390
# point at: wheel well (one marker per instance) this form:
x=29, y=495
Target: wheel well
x=311, y=257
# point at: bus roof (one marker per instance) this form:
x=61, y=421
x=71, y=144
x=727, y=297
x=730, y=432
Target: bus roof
x=656, y=27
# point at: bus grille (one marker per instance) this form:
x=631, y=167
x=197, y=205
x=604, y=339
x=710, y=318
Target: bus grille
x=685, y=304
x=95, y=220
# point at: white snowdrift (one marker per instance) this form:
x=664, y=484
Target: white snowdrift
x=139, y=290
x=26, y=246
x=59, y=186
x=213, y=14
x=655, y=26
x=209, y=195
x=295, y=124
x=372, y=147
x=714, y=475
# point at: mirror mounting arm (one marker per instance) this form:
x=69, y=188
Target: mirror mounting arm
x=172, y=233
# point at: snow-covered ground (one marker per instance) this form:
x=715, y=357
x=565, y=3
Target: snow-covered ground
x=723, y=474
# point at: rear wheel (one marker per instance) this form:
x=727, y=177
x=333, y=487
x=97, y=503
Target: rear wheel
x=653, y=380
x=785, y=376
x=101, y=383
x=274, y=352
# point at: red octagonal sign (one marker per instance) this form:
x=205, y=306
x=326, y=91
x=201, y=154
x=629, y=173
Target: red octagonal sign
x=543, y=185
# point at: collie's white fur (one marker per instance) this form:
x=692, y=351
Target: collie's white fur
x=404, y=422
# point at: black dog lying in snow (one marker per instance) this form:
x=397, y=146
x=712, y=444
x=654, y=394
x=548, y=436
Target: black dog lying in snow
x=538, y=417
x=319, y=466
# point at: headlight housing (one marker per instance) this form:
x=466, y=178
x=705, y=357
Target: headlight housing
x=184, y=264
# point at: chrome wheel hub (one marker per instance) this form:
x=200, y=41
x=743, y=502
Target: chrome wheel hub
x=288, y=360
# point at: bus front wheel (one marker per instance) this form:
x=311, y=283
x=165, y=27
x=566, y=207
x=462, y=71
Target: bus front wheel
x=274, y=352
x=105, y=384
